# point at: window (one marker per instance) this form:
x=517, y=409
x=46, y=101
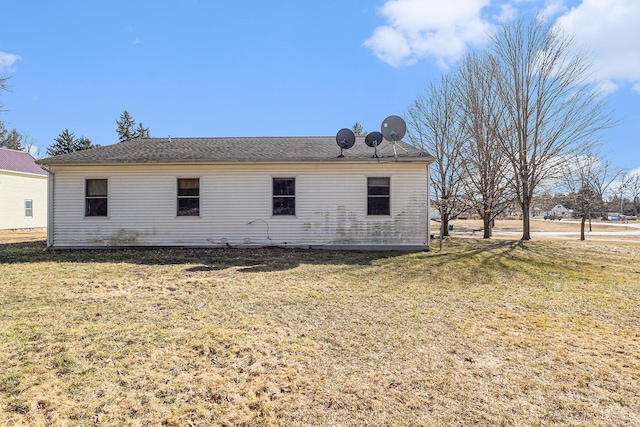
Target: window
x=378, y=196
x=28, y=208
x=284, y=196
x=96, y=197
x=189, y=197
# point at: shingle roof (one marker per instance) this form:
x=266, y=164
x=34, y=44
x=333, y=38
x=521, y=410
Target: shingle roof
x=208, y=150
x=19, y=161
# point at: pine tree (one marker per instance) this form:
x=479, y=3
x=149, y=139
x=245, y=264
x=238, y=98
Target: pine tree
x=358, y=130
x=66, y=142
x=10, y=139
x=125, y=127
x=141, y=131
x=83, y=143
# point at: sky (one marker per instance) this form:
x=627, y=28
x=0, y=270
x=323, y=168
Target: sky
x=198, y=68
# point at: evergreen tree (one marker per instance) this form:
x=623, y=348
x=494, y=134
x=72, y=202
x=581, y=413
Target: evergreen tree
x=63, y=144
x=358, y=130
x=141, y=131
x=83, y=143
x=10, y=139
x=127, y=129
x=125, y=126
x=66, y=142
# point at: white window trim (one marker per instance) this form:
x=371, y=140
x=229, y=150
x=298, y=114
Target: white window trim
x=366, y=197
x=25, y=208
x=84, y=198
x=295, y=196
x=200, y=180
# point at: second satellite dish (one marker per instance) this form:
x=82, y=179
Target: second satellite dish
x=393, y=128
x=373, y=139
x=345, y=139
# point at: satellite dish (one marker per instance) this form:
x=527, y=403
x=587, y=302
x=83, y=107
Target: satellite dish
x=393, y=128
x=345, y=139
x=373, y=139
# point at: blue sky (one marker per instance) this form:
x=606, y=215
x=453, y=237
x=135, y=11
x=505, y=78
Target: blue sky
x=282, y=68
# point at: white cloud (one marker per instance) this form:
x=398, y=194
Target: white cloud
x=136, y=41
x=7, y=60
x=610, y=30
x=443, y=31
x=507, y=12
x=428, y=28
x=553, y=8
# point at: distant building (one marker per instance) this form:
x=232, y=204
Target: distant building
x=240, y=192
x=559, y=211
x=23, y=191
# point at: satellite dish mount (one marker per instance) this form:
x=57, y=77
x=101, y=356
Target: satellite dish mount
x=374, y=139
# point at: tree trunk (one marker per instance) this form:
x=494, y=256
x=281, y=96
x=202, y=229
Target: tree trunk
x=444, y=223
x=584, y=220
x=526, y=221
x=486, y=219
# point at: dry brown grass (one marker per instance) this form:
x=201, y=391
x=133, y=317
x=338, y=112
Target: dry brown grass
x=22, y=235
x=480, y=333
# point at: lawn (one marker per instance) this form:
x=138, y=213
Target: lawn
x=480, y=333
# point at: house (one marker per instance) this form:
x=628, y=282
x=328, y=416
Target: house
x=559, y=211
x=23, y=191
x=239, y=192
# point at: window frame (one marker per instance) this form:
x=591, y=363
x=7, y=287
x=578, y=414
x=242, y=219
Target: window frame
x=180, y=197
x=28, y=211
x=378, y=196
x=275, y=197
x=87, y=197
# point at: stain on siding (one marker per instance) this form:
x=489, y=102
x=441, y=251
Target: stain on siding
x=124, y=237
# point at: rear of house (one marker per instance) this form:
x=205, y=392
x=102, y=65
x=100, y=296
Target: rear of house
x=239, y=192
x=23, y=191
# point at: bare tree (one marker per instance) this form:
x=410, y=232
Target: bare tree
x=486, y=166
x=553, y=112
x=588, y=178
x=3, y=86
x=631, y=183
x=29, y=144
x=434, y=125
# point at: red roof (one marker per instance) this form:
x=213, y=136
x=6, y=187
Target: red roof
x=19, y=161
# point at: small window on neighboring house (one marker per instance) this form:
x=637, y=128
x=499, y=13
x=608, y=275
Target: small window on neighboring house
x=378, y=196
x=284, y=196
x=96, y=197
x=28, y=208
x=188, y=197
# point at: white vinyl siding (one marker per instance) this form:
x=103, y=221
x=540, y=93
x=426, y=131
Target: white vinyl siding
x=16, y=189
x=235, y=206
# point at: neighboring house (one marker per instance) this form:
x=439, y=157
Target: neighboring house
x=559, y=211
x=239, y=192
x=23, y=191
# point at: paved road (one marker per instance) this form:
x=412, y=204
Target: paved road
x=629, y=231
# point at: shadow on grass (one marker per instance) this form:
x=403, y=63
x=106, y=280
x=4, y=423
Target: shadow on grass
x=205, y=259
x=503, y=255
